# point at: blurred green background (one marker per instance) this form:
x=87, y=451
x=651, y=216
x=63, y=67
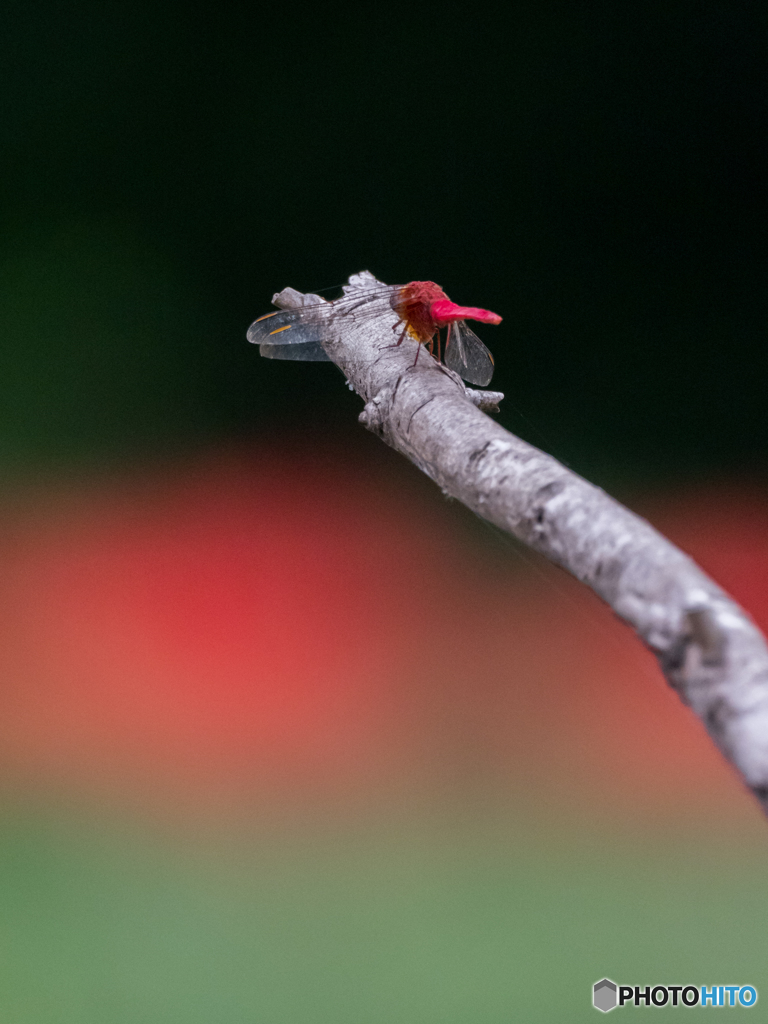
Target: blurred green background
x=596, y=173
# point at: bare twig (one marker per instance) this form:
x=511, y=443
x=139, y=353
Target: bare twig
x=708, y=648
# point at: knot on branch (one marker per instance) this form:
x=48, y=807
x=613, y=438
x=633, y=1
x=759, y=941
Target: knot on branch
x=698, y=648
x=373, y=415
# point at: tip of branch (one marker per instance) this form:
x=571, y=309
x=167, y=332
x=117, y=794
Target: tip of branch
x=289, y=298
x=486, y=401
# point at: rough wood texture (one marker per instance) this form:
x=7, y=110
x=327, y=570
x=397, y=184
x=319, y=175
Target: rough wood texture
x=708, y=648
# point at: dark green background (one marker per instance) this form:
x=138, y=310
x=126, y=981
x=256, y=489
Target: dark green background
x=594, y=172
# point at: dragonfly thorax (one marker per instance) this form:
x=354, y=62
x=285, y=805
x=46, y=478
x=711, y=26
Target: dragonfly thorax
x=413, y=305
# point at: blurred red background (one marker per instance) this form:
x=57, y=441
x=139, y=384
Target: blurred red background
x=260, y=626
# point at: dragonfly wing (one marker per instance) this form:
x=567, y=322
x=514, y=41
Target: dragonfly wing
x=316, y=321
x=308, y=351
x=297, y=333
x=466, y=355
x=289, y=326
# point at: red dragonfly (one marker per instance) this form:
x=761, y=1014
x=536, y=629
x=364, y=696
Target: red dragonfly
x=422, y=309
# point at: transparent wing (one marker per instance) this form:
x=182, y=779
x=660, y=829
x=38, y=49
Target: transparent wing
x=298, y=333
x=308, y=352
x=290, y=334
x=466, y=355
x=289, y=326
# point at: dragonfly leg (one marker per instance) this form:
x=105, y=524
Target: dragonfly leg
x=400, y=339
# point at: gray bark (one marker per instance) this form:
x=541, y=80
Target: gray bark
x=708, y=648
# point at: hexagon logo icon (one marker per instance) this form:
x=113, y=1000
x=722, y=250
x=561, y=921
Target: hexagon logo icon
x=604, y=995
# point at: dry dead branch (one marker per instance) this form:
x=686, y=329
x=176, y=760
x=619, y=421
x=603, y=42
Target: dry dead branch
x=708, y=648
